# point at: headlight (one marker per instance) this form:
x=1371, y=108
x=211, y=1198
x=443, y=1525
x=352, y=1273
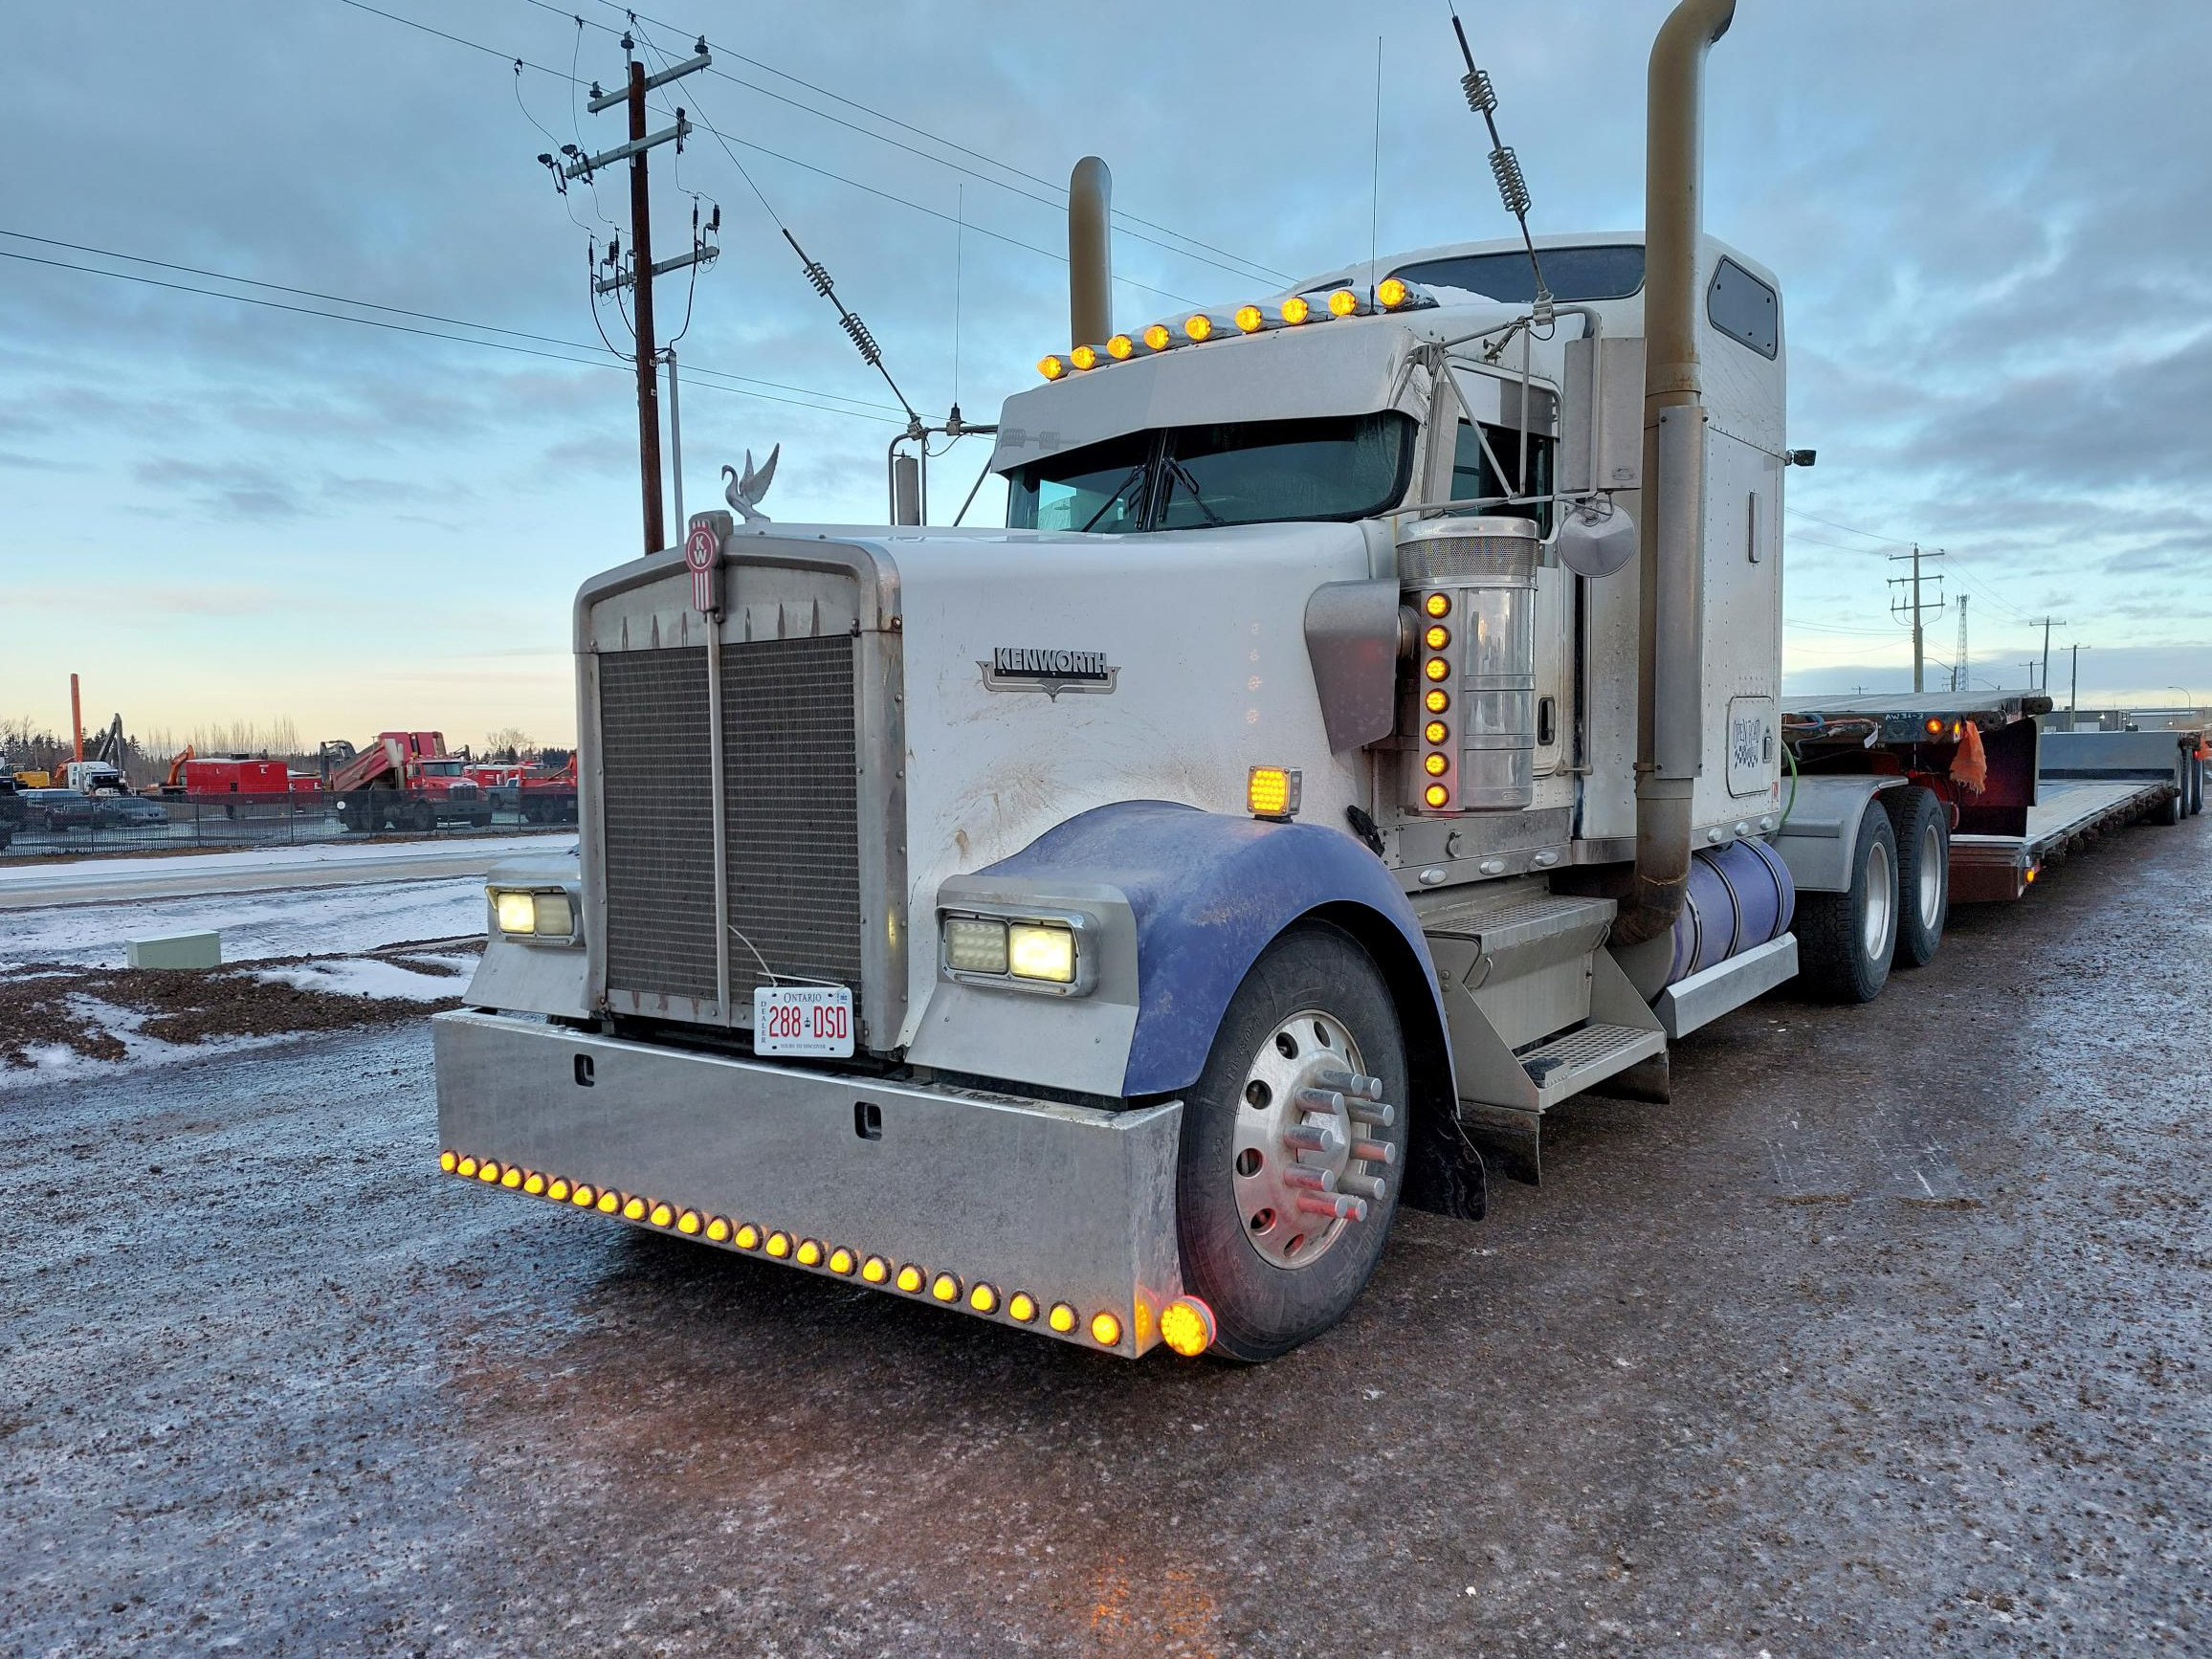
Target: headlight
x=1041, y=950
x=524, y=914
x=1052, y=952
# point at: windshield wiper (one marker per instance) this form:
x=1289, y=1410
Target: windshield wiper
x=1178, y=472
x=1136, y=473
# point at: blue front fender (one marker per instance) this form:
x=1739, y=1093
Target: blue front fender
x=1210, y=893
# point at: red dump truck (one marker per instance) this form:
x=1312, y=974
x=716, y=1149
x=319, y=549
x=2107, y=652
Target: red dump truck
x=402, y=780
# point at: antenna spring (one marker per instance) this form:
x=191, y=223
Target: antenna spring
x=862, y=339
x=819, y=278
x=1481, y=96
x=1512, y=188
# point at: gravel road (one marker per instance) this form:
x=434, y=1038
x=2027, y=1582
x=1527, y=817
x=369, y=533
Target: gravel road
x=1889, y=1336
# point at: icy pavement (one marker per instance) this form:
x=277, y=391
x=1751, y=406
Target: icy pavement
x=36, y=883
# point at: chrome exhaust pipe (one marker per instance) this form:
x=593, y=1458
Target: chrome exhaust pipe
x=1090, y=254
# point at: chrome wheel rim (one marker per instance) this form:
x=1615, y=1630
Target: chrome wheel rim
x=1268, y=1174
x=1930, y=876
x=1880, y=905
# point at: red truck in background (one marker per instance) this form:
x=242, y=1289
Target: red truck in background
x=537, y=794
x=403, y=780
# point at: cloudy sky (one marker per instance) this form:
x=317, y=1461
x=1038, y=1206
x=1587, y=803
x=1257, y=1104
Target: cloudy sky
x=1993, y=223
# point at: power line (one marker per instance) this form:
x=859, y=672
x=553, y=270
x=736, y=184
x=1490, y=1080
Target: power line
x=595, y=361
x=760, y=149
x=637, y=19
x=404, y=311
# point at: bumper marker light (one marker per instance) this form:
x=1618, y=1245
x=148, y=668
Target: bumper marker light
x=983, y=1299
x=944, y=1288
x=513, y=1177
x=779, y=1245
x=1105, y=1330
x=584, y=1197
x=688, y=1223
x=610, y=1203
x=747, y=1237
x=447, y=1162
x=841, y=1260
x=910, y=1278
x=557, y=1190
x=719, y=1229
x=663, y=1214
x=488, y=1173
x=633, y=1209
x=1022, y=1306
x=534, y=1185
x=876, y=1270
x=1188, y=1326
x=1062, y=1317
x=808, y=1254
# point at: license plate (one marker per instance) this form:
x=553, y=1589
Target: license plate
x=802, y=1020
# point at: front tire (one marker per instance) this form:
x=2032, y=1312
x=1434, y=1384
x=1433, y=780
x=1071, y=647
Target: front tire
x=1847, y=940
x=1921, y=823
x=1276, y=1274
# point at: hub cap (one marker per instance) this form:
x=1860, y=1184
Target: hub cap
x=1931, y=877
x=1296, y=1127
x=1880, y=905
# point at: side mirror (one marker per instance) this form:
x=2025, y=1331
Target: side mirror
x=1799, y=458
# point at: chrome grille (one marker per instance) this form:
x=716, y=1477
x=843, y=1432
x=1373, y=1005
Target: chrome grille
x=657, y=821
x=791, y=811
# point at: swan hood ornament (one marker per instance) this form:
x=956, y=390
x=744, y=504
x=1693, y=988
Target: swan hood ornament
x=743, y=493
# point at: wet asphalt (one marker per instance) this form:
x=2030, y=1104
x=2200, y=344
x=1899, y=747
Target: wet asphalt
x=1889, y=1336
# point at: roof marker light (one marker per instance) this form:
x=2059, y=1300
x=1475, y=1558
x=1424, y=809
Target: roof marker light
x=1084, y=357
x=1249, y=319
x=1051, y=367
x=1157, y=338
x=1119, y=347
x=1198, y=326
x=1343, y=303
x=1391, y=293
x=1297, y=309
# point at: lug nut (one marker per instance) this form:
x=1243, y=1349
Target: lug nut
x=1320, y=1100
x=1310, y=1179
x=1374, y=1113
x=1322, y=1138
x=1371, y=1188
x=1337, y=1207
x=1350, y=1083
x=1381, y=1152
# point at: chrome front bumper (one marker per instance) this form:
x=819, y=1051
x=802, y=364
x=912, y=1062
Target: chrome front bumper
x=1069, y=1206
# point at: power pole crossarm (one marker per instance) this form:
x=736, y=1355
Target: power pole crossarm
x=584, y=165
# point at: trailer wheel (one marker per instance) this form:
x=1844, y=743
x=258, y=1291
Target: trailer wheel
x=1847, y=940
x=2175, y=807
x=1922, y=826
x=1253, y=1209
x=2196, y=785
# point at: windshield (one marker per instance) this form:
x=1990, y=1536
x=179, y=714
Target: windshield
x=1335, y=467
x=441, y=768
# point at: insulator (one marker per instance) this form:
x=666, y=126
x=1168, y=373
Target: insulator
x=1481, y=98
x=819, y=278
x=1512, y=187
x=862, y=339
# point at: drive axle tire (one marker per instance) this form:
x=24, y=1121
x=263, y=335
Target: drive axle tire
x=1847, y=940
x=1921, y=823
x=426, y=817
x=1278, y=1274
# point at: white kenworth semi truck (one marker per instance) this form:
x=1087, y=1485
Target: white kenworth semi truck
x=1363, y=737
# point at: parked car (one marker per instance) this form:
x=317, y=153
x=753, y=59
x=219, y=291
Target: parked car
x=11, y=810
x=126, y=812
x=56, y=810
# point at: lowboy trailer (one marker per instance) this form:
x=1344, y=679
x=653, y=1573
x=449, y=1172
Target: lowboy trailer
x=1364, y=736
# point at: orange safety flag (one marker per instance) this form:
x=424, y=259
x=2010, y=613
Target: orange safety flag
x=1970, y=767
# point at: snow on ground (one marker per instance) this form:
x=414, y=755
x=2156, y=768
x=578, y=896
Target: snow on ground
x=310, y=861
x=274, y=922
x=374, y=976
x=52, y=1061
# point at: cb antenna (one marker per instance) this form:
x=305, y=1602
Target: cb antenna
x=863, y=341
x=1505, y=167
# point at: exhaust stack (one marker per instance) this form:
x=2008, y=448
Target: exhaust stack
x=1670, y=722
x=1090, y=254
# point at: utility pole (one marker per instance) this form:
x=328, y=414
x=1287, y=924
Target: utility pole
x=2073, y=695
x=2029, y=665
x=1919, y=637
x=675, y=439
x=642, y=270
x=1959, y=662
x=2044, y=622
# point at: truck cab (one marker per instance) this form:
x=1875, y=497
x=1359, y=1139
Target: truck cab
x=1361, y=738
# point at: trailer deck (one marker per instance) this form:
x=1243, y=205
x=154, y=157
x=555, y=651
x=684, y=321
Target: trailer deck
x=2068, y=813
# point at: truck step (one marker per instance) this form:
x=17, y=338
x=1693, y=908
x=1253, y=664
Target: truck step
x=1568, y=1065
x=1498, y=921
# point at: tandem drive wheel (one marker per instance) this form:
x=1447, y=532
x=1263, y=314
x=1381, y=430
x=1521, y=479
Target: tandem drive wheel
x=1293, y=1145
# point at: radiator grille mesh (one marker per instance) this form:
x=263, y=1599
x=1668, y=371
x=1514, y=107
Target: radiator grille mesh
x=791, y=807
x=658, y=817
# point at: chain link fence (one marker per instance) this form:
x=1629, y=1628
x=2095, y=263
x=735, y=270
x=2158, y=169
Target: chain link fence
x=64, y=823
